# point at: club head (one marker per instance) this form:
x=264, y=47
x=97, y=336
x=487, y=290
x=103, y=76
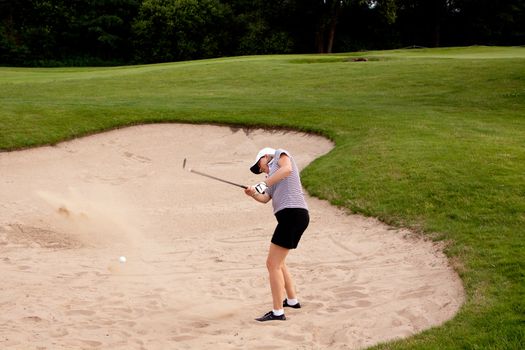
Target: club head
x=184, y=164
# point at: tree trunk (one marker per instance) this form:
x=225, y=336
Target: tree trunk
x=319, y=40
x=331, y=35
x=439, y=8
x=331, y=24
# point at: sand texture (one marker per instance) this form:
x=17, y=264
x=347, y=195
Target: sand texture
x=195, y=276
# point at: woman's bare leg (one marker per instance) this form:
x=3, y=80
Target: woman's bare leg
x=275, y=264
x=288, y=283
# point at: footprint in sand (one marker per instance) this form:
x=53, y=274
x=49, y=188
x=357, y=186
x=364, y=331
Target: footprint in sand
x=59, y=333
x=91, y=343
x=417, y=293
x=32, y=319
x=80, y=312
x=363, y=303
x=138, y=158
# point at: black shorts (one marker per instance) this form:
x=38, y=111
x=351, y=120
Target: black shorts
x=291, y=223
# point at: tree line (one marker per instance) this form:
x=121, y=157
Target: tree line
x=108, y=32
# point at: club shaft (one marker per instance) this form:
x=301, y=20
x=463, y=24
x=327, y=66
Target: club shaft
x=216, y=178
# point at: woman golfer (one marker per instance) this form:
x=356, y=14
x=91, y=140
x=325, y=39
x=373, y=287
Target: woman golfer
x=283, y=187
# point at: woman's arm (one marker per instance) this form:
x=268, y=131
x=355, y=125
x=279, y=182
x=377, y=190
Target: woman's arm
x=285, y=169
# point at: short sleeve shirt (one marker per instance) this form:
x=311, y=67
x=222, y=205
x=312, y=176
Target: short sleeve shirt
x=287, y=193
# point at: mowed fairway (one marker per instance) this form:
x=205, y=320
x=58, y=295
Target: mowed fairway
x=433, y=140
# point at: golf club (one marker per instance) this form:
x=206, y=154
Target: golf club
x=209, y=176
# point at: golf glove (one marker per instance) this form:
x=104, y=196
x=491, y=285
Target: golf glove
x=261, y=187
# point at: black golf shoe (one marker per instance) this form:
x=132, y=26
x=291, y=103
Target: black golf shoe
x=296, y=306
x=269, y=316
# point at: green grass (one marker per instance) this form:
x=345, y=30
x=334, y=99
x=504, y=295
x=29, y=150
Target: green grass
x=429, y=139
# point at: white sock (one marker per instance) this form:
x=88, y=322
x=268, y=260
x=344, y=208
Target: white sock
x=279, y=312
x=291, y=302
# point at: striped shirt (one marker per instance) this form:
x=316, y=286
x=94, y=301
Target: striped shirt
x=287, y=193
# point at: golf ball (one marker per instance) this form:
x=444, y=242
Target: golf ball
x=122, y=259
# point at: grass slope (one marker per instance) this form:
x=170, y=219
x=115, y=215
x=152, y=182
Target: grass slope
x=431, y=139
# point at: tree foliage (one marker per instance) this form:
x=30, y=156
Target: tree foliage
x=171, y=30
x=88, y=32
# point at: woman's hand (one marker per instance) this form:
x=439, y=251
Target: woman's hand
x=250, y=191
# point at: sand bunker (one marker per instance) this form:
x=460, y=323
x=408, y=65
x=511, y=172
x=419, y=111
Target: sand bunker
x=195, y=275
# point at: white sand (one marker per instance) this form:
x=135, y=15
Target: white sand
x=195, y=276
